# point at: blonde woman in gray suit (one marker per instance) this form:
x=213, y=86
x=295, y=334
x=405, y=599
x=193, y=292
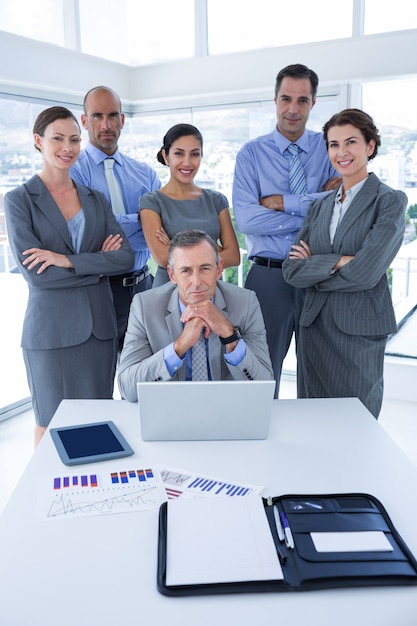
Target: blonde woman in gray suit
x=65, y=241
x=341, y=255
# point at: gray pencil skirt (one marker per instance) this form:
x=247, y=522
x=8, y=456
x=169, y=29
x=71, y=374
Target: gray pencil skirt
x=85, y=371
x=332, y=364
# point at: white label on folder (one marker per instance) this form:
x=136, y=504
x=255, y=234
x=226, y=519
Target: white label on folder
x=366, y=541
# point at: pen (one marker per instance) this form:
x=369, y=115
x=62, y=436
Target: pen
x=280, y=530
x=282, y=558
x=289, y=540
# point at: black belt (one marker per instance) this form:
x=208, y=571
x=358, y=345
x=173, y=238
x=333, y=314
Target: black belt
x=130, y=280
x=260, y=260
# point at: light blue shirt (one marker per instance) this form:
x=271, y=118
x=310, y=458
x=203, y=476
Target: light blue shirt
x=262, y=169
x=76, y=227
x=174, y=362
x=135, y=179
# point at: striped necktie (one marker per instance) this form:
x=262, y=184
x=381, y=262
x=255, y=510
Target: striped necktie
x=116, y=198
x=199, y=360
x=297, y=178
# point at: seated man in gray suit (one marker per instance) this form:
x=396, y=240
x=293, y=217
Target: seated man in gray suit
x=196, y=307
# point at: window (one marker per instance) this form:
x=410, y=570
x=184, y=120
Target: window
x=238, y=25
x=137, y=33
x=382, y=16
x=396, y=164
x=40, y=19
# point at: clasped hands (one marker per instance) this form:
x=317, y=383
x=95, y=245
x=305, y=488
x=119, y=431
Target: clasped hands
x=201, y=316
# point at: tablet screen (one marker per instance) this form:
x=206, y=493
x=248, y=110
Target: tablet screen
x=97, y=439
x=90, y=442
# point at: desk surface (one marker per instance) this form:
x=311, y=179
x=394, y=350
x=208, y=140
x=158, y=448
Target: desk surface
x=102, y=570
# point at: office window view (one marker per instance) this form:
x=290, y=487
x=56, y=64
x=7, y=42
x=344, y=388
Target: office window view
x=208, y=27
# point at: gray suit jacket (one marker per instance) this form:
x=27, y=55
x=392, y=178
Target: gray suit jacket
x=372, y=231
x=154, y=323
x=65, y=306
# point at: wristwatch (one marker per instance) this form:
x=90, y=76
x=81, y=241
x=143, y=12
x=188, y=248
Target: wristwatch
x=237, y=334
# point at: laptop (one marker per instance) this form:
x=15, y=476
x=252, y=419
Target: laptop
x=203, y=411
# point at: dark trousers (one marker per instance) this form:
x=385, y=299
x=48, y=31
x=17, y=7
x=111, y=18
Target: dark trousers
x=122, y=297
x=281, y=306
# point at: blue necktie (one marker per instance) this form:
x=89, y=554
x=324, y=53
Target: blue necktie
x=297, y=178
x=199, y=360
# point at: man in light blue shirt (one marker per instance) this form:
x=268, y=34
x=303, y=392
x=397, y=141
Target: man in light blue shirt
x=103, y=119
x=269, y=210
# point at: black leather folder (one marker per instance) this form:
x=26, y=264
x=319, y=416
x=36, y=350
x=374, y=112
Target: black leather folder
x=340, y=540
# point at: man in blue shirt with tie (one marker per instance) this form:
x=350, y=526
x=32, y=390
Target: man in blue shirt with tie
x=276, y=178
x=103, y=119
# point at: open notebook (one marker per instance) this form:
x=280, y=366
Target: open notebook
x=209, y=410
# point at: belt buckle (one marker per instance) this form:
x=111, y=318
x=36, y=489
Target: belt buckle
x=130, y=281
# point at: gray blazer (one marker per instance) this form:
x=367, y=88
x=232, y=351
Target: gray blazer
x=154, y=323
x=372, y=231
x=65, y=306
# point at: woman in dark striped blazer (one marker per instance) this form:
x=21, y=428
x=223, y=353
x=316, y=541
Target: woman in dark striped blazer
x=341, y=255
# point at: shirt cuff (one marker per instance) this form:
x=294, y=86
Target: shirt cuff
x=172, y=360
x=237, y=355
x=292, y=205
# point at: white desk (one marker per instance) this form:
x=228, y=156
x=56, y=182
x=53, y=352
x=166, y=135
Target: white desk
x=102, y=570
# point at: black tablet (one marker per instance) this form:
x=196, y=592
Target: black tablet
x=88, y=443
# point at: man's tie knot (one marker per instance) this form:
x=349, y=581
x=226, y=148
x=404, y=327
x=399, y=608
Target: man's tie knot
x=108, y=164
x=116, y=197
x=293, y=149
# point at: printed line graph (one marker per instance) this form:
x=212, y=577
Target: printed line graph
x=74, y=505
x=121, y=491
x=173, y=477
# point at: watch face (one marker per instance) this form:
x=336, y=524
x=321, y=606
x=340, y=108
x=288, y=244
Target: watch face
x=238, y=332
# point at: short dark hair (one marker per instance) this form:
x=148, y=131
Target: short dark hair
x=48, y=116
x=176, y=132
x=298, y=71
x=187, y=239
x=360, y=120
x=101, y=88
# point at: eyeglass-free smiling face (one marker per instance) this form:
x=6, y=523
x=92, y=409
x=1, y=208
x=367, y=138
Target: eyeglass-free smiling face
x=184, y=158
x=349, y=153
x=60, y=143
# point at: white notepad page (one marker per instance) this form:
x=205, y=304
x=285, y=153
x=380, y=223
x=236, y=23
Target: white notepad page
x=364, y=541
x=218, y=540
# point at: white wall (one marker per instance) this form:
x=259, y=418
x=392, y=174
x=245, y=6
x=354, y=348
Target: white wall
x=376, y=57
x=32, y=68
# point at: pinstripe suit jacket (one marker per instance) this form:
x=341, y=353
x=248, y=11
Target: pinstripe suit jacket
x=372, y=231
x=154, y=323
x=65, y=306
